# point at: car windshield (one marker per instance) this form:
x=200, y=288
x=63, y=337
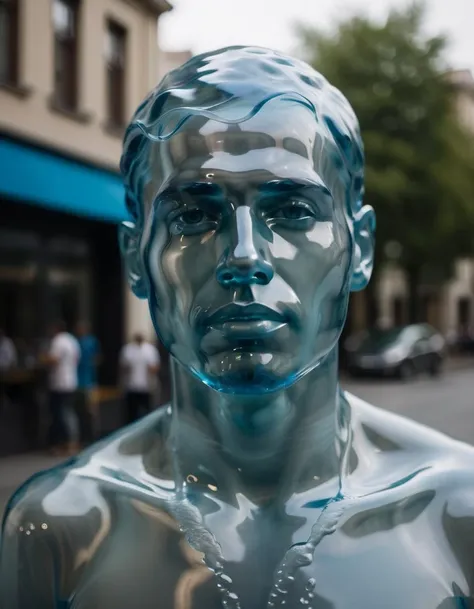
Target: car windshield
x=377, y=340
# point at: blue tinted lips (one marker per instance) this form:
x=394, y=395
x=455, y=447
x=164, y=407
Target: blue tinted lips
x=236, y=313
x=251, y=327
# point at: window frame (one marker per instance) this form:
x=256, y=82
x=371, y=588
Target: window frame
x=116, y=75
x=66, y=95
x=12, y=8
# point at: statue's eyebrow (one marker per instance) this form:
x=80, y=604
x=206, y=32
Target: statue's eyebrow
x=288, y=186
x=200, y=189
x=171, y=196
x=193, y=189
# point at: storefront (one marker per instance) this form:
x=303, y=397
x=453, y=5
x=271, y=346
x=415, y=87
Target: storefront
x=59, y=257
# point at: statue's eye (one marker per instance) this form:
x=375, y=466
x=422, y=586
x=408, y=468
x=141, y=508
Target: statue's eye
x=192, y=221
x=193, y=216
x=295, y=212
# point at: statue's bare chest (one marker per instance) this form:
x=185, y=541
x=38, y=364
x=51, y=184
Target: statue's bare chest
x=380, y=558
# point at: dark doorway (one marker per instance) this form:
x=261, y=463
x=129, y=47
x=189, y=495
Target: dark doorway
x=58, y=266
x=398, y=311
x=464, y=312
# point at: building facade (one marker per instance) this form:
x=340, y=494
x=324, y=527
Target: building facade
x=71, y=74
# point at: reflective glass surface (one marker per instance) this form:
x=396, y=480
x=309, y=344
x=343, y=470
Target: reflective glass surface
x=262, y=485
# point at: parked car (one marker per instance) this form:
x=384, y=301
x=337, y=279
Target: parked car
x=402, y=352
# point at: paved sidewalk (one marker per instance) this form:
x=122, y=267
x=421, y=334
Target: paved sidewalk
x=14, y=470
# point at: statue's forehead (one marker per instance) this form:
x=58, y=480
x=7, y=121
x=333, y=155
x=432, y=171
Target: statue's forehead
x=286, y=142
x=288, y=134
x=267, y=128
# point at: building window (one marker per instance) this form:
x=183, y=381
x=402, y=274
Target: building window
x=9, y=41
x=115, y=52
x=65, y=21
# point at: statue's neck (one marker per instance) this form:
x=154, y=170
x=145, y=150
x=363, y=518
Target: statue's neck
x=284, y=441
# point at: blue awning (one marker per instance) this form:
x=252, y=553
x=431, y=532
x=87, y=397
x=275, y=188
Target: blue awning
x=45, y=179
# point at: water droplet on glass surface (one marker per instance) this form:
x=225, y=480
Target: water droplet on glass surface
x=310, y=585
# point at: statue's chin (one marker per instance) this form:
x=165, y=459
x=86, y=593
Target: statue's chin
x=242, y=371
x=239, y=384
x=247, y=373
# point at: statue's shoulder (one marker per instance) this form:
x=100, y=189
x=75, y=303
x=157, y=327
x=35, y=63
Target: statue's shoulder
x=109, y=468
x=60, y=518
x=448, y=462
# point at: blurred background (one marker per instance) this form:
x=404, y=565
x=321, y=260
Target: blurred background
x=71, y=74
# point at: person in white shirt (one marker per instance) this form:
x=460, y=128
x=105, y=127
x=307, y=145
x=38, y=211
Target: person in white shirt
x=139, y=362
x=62, y=358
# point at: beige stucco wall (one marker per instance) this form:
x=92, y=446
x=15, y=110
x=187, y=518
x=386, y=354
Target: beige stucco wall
x=32, y=116
x=138, y=317
x=464, y=82
x=466, y=109
x=170, y=60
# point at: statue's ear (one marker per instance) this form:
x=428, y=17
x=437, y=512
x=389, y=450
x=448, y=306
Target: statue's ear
x=364, y=243
x=129, y=240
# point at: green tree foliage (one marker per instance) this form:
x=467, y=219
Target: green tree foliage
x=419, y=159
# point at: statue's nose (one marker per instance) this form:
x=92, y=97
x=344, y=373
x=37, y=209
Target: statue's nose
x=245, y=263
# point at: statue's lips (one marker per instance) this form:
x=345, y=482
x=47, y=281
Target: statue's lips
x=247, y=328
x=255, y=336
x=235, y=315
x=251, y=327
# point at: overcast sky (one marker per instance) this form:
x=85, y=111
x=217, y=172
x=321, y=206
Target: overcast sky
x=202, y=25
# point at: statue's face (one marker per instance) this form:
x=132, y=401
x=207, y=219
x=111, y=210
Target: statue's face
x=247, y=254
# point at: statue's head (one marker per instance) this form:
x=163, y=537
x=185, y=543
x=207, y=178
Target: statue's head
x=244, y=178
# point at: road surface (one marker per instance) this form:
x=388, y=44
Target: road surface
x=447, y=403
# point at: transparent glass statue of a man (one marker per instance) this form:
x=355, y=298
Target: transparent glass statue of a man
x=263, y=485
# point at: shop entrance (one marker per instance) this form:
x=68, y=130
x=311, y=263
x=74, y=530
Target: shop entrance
x=54, y=266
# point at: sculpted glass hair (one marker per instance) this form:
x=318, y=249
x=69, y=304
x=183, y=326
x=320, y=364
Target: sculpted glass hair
x=231, y=86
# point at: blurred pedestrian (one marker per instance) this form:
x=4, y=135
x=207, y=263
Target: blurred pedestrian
x=8, y=360
x=8, y=354
x=140, y=363
x=87, y=382
x=164, y=375
x=62, y=360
